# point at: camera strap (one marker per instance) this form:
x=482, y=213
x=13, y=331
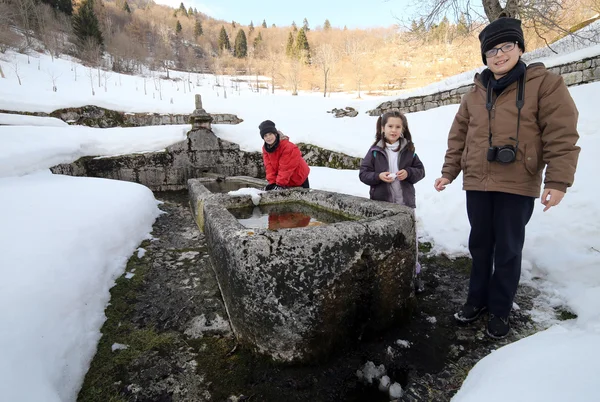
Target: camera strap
x=489, y=105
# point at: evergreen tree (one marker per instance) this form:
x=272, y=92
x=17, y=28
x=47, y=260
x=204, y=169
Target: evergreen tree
x=302, y=47
x=290, y=49
x=178, y=28
x=240, y=48
x=65, y=6
x=326, y=25
x=182, y=8
x=305, y=25
x=345, y=28
x=223, y=41
x=250, y=28
x=198, y=29
x=294, y=26
x=190, y=12
x=462, y=28
x=126, y=8
x=195, y=11
x=86, y=25
x=264, y=24
x=233, y=24
x=273, y=26
x=258, y=40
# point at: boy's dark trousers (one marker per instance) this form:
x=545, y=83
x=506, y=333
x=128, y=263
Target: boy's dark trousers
x=496, y=243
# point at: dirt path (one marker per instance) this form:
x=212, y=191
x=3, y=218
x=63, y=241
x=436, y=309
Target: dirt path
x=171, y=318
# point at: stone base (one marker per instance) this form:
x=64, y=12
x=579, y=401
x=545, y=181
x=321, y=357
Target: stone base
x=297, y=294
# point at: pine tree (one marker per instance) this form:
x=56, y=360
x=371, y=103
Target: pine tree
x=240, y=48
x=250, y=28
x=258, y=40
x=195, y=11
x=302, y=47
x=305, y=25
x=198, y=29
x=190, y=12
x=223, y=41
x=462, y=28
x=264, y=24
x=233, y=24
x=86, y=25
x=273, y=26
x=182, y=8
x=294, y=26
x=126, y=8
x=64, y=6
x=178, y=28
x=290, y=49
x=326, y=25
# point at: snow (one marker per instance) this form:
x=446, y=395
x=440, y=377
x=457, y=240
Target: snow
x=64, y=240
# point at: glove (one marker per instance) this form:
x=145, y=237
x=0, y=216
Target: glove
x=270, y=186
x=277, y=187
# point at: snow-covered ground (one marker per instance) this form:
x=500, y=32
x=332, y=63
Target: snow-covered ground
x=63, y=240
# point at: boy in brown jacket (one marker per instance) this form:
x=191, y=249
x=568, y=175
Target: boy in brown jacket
x=516, y=121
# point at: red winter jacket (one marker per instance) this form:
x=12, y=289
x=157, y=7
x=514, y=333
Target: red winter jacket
x=285, y=166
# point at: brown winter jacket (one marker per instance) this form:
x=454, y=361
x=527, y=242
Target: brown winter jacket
x=547, y=137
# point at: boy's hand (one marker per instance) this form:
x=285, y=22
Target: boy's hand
x=441, y=183
x=551, y=198
x=402, y=174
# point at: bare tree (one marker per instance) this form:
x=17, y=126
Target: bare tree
x=544, y=17
x=26, y=13
x=53, y=77
x=91, y=75
x=15, y=67
x=294, y=68
x=357, y=53
x=7, y=19
x=325, y=58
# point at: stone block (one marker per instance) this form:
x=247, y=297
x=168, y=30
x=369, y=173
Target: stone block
x=297, y=294
x=573, y=78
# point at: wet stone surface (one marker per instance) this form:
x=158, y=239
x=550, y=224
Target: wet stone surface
x=178, y=345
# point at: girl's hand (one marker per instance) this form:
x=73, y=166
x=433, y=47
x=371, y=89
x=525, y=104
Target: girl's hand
x=402, y=174
x=386, y=177
x=441, y=183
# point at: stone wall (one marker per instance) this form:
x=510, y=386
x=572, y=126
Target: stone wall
x=94, y=116
x=575, y=73
x=201, y=153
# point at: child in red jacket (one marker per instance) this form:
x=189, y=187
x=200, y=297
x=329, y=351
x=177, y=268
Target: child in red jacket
x=284, y=164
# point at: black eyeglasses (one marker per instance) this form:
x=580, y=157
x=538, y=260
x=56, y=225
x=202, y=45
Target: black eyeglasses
x=506, y=48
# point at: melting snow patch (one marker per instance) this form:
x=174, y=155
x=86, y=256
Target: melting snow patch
x=403, y=344
x=254, y=193
x=129, y=275
x=200, y=324
x=432, y=320
x=141, y=252
x=395, y=391
x=370, y=372
x=118, y=346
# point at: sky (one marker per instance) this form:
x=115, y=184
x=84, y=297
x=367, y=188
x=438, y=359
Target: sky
x=64, y=240
x=352, y=13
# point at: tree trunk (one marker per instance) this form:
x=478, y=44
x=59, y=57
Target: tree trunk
x=2, y=73
x=493, y=9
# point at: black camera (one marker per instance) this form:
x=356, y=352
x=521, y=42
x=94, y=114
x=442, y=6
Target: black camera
x=502, y=154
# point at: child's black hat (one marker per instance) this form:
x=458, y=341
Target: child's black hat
x=502, y=30
x=267, y=126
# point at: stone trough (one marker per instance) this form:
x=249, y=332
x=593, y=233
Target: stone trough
x=296, y=294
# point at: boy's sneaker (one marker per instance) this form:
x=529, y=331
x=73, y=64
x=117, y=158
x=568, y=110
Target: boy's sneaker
x=469, y=313
x=419, y=285
x=498, y=327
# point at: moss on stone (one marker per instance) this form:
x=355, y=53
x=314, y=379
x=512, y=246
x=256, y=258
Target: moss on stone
x=109, y=369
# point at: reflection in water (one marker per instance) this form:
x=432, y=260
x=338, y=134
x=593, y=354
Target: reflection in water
x=284, y=216
x=225, y=186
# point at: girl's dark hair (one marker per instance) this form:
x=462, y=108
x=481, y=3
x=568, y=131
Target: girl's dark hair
x=382, y=121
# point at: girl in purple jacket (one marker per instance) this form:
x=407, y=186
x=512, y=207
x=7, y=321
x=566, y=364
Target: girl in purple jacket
x=391, y=167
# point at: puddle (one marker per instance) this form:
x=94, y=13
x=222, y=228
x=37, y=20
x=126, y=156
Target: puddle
x=284, y=216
